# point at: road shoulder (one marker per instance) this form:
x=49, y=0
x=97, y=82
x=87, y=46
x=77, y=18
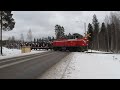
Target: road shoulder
x=57, y=71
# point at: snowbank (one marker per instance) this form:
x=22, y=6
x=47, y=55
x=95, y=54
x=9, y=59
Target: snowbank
x=7, y=53
x=102, y=52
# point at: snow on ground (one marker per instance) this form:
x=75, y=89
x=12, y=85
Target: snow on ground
x=78, y=65
x=94, y=51
x=93, y=66
x=86, y=66
x=7, y=53
x=57, y=71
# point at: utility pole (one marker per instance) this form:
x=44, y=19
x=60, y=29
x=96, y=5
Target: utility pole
x=85, y=28
x=85, y=32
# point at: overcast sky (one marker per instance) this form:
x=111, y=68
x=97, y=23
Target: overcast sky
x=42, y=23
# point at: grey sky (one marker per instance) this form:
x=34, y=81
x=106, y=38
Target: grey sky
x=42, y=23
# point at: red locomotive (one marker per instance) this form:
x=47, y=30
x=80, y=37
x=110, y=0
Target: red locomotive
x=71, y=44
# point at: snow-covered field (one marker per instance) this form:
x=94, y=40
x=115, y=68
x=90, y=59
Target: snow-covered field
x=7, y=53
x=86, y=66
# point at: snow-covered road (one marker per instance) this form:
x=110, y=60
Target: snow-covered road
x=86, y=66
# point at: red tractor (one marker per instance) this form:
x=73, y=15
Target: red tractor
x=71, y=44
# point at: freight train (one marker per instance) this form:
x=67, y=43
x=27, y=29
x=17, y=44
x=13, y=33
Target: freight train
x=77, y=44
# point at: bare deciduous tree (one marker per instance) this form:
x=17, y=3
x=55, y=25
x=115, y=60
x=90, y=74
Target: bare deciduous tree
x=29, y=36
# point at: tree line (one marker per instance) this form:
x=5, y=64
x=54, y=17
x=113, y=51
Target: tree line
x=12, y=42
x=60, y=33
x=105, y=36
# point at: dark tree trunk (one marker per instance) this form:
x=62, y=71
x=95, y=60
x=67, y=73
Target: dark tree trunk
x=1, y=34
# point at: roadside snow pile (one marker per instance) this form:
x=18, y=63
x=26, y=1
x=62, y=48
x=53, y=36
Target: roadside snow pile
x=93, y=66
x=94, y=51
x=87, y=66
x=7, y=53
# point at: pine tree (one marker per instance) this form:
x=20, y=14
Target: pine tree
x=112, y=37
x=96, y=32
x=69, y=36
x=7, y=23
x=109, y=36
x=90, y=31
x=22, y=38
x=13, y=39
x=103, y=37
x=59, y=31
x=53, y=38
x=34, y=40
x=40, y=40
x=37, y=40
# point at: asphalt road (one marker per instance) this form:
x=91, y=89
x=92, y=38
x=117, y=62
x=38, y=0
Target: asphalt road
x=29, y=66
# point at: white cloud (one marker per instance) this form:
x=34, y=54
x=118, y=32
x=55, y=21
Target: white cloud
x=42, y=22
